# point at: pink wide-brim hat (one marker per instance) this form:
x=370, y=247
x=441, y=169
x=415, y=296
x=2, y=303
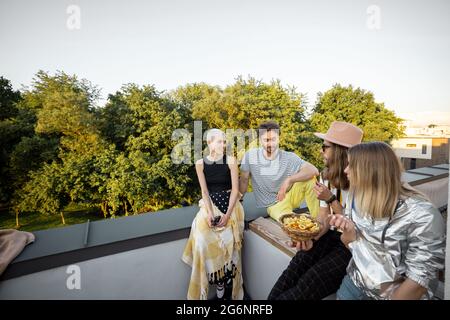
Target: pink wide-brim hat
x=342, y=133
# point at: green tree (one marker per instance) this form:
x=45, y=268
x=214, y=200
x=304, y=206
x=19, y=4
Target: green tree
x=66, y=104
x=190, y=95
x=65, y=109
x=136, y=187
x=356, y=106
x=14, y=124
x=8, y=99
x=114, y=120
x=248, y=102
x=87, y=169
x=29, y=155
x=146, y=178
x=45, y=192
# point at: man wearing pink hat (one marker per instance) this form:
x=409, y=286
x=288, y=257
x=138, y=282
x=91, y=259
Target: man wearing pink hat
x=319, y=266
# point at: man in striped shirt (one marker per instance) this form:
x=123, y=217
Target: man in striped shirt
x=281, y=180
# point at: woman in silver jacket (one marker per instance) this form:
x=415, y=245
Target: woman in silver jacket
x=395, y=234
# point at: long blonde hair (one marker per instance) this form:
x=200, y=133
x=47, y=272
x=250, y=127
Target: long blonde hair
x=375, y=174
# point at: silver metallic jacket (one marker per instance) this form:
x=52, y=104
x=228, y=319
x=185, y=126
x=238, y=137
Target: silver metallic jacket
x=411, y=244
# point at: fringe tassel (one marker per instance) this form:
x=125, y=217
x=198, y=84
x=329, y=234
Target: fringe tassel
x=228, y=271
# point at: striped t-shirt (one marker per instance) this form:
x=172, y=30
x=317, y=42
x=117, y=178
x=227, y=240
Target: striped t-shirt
x=268, y=175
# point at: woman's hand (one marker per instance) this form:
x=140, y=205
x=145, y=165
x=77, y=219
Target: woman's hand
x=210, y=219
x=348, y=228
x=224, y=220
x=322, y=192
x=408, y=290
x=303, y=245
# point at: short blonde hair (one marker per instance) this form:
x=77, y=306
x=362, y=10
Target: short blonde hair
x=212, y=133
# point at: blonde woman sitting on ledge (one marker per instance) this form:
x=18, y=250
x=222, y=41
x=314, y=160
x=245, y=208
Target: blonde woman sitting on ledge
x=214, y=246
x=394, y=233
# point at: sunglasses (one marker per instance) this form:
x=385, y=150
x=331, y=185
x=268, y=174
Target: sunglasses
x=325, y=147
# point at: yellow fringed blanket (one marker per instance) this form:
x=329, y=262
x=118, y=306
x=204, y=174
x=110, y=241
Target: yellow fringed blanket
x=215, y=255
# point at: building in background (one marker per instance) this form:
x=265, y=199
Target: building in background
x=423, y=147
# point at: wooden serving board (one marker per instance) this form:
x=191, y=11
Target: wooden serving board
x=271, y=231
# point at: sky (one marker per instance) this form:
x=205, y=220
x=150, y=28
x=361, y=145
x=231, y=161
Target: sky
x=397, y=49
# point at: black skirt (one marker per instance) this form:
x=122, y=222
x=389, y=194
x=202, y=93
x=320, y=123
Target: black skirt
x=221, y=199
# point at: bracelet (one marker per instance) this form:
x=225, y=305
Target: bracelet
x=332, y=198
